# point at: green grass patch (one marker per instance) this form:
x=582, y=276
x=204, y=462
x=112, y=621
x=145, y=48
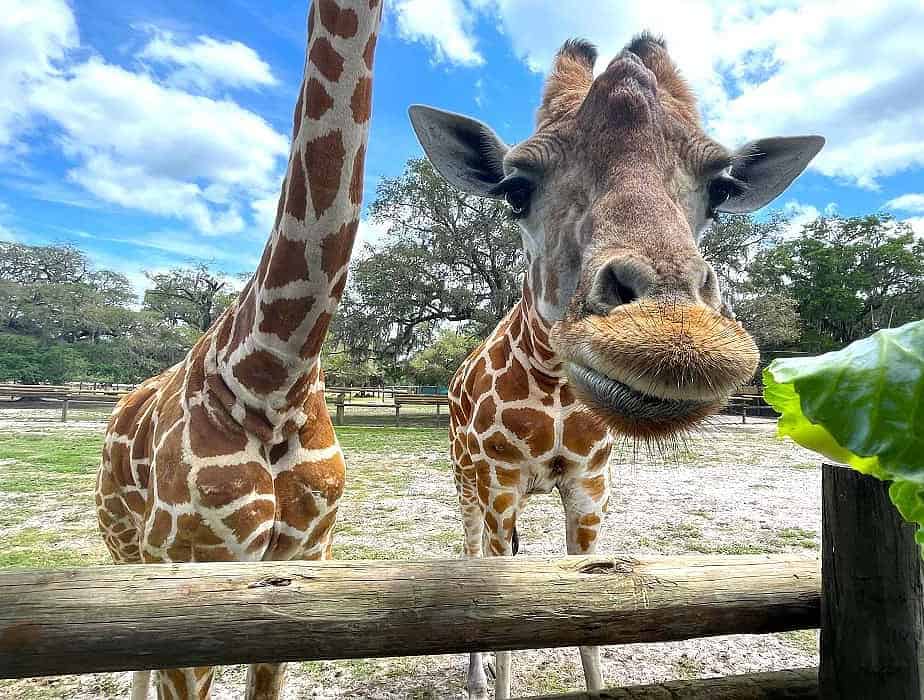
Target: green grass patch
x=61, y=454
x=805, y=641
x=33, y=548
x=731, y=548
x=387, y=440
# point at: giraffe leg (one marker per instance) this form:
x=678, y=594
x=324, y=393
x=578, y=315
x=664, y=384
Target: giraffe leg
x=499, y=533
x=583, y=518
x=141, y=681
x=185, y=683
x=476, y=682
x=264, y=681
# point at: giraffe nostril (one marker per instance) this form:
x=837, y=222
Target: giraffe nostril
x=619, y=282
x=624, y=292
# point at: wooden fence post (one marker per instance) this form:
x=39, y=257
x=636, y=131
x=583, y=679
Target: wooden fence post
x=397, y=415
x=339, y=404
x=872, y=611
x=64, y=410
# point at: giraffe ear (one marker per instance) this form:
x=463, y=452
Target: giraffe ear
x=463, y=150
x=762, y=169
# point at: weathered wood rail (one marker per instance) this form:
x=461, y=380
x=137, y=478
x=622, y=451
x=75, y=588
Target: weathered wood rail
x=63, y=397
x=113, y=618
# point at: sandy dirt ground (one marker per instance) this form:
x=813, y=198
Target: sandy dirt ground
x=732, y=489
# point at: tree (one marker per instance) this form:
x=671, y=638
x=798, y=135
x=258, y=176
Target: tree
x=25, y=264
x=849, y=277
x=192, y=295
x=771, y=318
x=438, y=363
x=446, y=256
x=731, y=242
x=61, y=320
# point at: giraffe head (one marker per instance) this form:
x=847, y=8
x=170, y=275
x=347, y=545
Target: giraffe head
x=612, y=191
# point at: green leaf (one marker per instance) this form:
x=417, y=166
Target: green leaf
x=862, y=406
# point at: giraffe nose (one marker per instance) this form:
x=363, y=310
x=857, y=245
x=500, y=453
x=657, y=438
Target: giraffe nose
x=619, y=281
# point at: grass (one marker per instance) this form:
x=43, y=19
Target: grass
x=47, y=513
x=389, y=440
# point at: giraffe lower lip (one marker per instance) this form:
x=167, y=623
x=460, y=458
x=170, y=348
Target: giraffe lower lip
x=611, y=395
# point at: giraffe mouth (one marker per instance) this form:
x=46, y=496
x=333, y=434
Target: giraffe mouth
x=630, y=411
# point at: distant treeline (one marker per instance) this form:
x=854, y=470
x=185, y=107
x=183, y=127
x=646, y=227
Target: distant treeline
x=447, y=269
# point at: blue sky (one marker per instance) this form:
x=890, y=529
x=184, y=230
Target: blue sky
x=152, y=134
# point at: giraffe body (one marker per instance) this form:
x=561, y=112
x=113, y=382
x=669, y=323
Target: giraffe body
x=626, y=329
x=230, y=455
x=516, y=430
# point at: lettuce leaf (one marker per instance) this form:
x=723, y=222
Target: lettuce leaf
x=862, y=406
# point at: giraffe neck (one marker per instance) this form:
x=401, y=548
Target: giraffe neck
x=266, y=350
x=533, y=342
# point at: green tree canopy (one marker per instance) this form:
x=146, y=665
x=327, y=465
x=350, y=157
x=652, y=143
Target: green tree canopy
x=446, y=256
x=436, y=364
x=192, y=295
x=848, y=276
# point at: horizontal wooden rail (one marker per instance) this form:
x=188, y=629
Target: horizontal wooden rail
x=113, y=618
x=794, y=684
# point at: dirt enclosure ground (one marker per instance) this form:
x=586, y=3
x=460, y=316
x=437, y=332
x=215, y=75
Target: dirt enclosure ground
x=731, y=489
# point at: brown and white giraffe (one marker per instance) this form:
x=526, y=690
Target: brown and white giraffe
x=230, y=455
x=621, y=328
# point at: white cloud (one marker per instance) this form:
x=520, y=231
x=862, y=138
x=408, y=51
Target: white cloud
x=917, y=225
x=207, y=62
x=446, y=25
x=145, y=146
x=370, y=232
x=798, y=215
x=133, y=140
x=34, y=35
x=911, y=202
x=6, y=235
x=849, y=71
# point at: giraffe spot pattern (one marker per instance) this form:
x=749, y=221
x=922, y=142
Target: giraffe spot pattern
x=484, y=418
x=336, y=248
x=356, y=179
x=535, y=428
x=339, y=22
x=261, y=372
x=219, y=485
x=319, y=101
x=243, y=319
x=324, y=160
x=312, y=345
x=499, y=448
x=581, y=434
x=282, y=317
x=287, y=264
x=326, y=59
x=369, y=50
x=297, y=114
x=297, y=195
x=361, y=101
x=187, y=411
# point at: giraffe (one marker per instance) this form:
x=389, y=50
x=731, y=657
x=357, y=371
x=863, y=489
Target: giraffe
x=621, y=328
x=230, y=455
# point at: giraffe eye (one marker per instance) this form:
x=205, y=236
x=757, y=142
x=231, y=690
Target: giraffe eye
x=721, y=189
x=517, y=196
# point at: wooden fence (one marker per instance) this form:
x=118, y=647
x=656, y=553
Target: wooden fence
x=58, y=397
x=867, y=599
x=341, y=404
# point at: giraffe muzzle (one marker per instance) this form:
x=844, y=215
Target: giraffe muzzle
x=654, y=368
